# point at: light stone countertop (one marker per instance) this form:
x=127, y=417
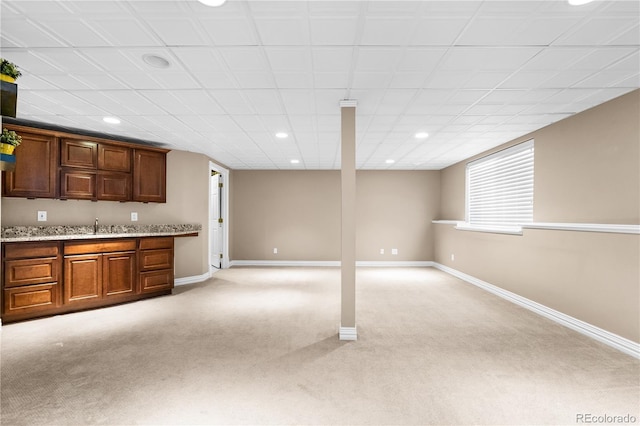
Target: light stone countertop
x=84, y=232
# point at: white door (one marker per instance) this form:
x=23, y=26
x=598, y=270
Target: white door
x=215, y=223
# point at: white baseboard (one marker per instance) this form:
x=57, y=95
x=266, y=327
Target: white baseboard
x=620, y=343
x=333, y=263
x=395, y=264
x=307, y=263
x=348, y=333
x=191, y=280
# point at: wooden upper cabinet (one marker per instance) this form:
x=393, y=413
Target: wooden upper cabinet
x=149, y=176
x=114, y=158
x=78, y=153
x=35, y=175
x=55, y=164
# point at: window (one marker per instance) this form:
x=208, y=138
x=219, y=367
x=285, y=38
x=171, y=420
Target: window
x=500, y=187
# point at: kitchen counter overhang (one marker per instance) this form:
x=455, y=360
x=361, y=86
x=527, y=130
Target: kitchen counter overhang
x=81, y=232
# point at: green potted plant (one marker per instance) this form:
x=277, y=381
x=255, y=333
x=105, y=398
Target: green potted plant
x=9, y=71
x=9, y=140
x=8, y=88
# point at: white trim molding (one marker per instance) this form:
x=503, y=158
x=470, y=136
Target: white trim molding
x=560, y=226
x=192, y=280
x=618, y=342
x=335, y=263
x=585, y=227
x=348, y=333
x=394, y=264
x=305, y=263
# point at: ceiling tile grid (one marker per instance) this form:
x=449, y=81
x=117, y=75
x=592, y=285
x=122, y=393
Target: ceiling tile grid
x=471, y=74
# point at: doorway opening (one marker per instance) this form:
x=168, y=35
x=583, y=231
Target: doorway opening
x=218, y=214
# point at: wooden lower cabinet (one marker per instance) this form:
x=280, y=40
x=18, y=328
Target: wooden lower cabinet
x=47, y=278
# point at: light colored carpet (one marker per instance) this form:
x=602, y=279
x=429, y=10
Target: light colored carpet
x=260, y=346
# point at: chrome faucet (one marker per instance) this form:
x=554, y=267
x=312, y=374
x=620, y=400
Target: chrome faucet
x=95, y=226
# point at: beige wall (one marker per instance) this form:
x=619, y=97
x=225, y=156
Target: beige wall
x=586, y=170
x=298, y=212
x=187, y=202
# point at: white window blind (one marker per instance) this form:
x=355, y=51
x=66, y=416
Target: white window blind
x=500, y=187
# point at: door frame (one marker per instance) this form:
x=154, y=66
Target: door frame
x=224, y=173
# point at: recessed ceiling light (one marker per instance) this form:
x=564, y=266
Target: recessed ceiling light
x=422, y=135
x=579, y=2
x=390, y=161
x=111, y=120
x=294, y=161
x=156, y=61
x=212, y=3
x=281, y=135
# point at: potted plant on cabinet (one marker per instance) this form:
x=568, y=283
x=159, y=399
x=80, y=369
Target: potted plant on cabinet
x=9, y=72
x=8, y=141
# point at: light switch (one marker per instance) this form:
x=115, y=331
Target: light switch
x=134, y=216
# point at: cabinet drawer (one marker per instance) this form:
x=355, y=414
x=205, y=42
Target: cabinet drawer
x=156, y=243
x=30, y=271
x=99, y=247
x=30, y=250
x=156, y=259
x=30, y=298
x=156, y=281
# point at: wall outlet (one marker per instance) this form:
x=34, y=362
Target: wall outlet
x=394, y=251
x=134, y=216
x=42, y=216
x=275, y=250
x=381, y=251
x=453, y=257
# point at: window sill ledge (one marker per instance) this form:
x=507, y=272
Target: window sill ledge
x=518, y=229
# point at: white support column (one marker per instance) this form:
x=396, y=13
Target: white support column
x=348, y=235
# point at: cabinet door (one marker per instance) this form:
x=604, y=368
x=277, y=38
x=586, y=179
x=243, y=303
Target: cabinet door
x=35, y=175
x=114, y=158
x=77, y=185
x=114, y=186
x=149, y=176
x=118, y=274
x=77, y=153
x=82, y=278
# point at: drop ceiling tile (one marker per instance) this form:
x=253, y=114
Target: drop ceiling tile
x=394, y=102
x=231, y=31
x=332, y=59
x=199, y=58
x=255, y=80
x=393, y=8
x=76, y=33
x=383, y=31
x=289, y=59
x=488, y=58
x=421, y=59
x=370, y=80
x=407, y=80
x=298, y=101
x=328, y=101
x=65, y=82
x=232, y=101
x=110, y=59
x=382, y=59
x=331, y=80
x=133, y=100
x=265, y=101
x=333, y=31
x=215, y=80
x=601, y=58
x=174, y=31
x=198, y=102
x=485, y=79
x=137, y=80
x=598, y=31
x=124, y=32
x=490, y=31
x=282, y=31
x=244, y=58
x=293, y=80
x=447, y=79
x=437, y=32
x=527, y=79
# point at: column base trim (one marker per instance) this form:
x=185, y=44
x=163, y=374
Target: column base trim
x=348, y=333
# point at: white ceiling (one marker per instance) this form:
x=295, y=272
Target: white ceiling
x=473, y=74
